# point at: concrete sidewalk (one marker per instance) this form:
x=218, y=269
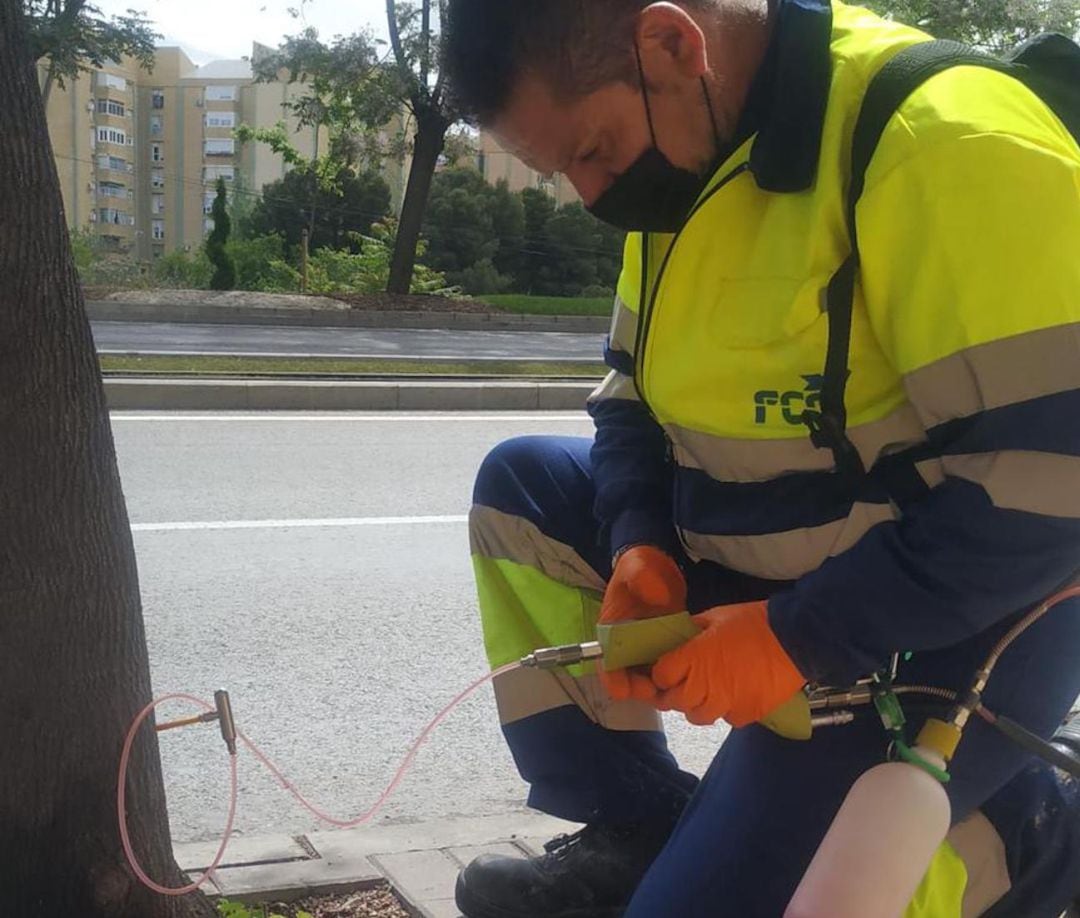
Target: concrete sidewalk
x=198, y=394
x=420, y=861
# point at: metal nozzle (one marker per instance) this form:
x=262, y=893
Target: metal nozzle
x=827, y=699
x=836, y=719
x=225, y=719
x=566, y=655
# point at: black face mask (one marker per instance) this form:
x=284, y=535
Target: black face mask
x=653, y=195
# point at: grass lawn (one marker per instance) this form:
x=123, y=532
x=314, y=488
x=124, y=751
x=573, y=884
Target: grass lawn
x=246, y=366
x=550, y=305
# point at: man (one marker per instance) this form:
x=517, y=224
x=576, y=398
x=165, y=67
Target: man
x=719, y=133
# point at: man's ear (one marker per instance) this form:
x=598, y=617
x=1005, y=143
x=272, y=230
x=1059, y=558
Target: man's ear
x=672, y=45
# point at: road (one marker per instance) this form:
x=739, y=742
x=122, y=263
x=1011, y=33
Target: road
x=317, y=567
x=274, y=341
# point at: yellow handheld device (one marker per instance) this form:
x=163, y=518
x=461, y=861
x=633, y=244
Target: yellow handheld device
x=644, y=641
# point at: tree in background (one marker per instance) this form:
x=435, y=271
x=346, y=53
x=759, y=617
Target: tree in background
x=224, y=277
x=538, y=209
x=74, y=669
x=351, y=204
x=572, y=241
x=487, y=239
x=415, y=46
x=996, y=25
x=357, y=95
x=458, y=223
x=75, y=36
x=474, y=231
x=508, y=224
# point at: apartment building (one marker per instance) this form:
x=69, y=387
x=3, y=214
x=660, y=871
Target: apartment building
x=139, y=153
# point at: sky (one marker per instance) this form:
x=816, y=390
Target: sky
x=212, y=29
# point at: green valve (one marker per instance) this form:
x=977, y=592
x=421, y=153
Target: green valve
x=890, y=711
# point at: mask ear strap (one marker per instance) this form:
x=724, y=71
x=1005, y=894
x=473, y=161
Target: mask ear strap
x=645, y=93
x=712, y=114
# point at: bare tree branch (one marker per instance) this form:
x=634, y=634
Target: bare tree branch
x=425, y=43
x=405, y=72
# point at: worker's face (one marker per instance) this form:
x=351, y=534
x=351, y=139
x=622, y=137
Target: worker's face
x=597, y=140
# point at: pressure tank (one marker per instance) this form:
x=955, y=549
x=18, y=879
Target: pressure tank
x=879, y=846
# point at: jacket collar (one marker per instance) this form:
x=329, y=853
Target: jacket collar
x=787, y=100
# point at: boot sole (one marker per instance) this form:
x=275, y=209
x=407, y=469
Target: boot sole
x=474, y=906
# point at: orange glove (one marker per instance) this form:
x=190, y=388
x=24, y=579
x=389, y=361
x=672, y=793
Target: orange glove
x=735, y=669
x=646, y=583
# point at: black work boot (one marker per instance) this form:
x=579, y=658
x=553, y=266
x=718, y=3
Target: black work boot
x=590, y=874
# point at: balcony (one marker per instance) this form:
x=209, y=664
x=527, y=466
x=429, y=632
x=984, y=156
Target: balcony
x=113, y=193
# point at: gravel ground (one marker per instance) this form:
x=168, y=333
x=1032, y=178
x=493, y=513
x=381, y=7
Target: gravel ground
x=372, y=903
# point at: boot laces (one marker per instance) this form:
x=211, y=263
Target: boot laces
x=563, y=846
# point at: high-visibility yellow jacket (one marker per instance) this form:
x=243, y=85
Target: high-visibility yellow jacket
x=964, y=394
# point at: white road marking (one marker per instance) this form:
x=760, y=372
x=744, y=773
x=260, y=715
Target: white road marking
x=298, y=524
x=538, y=417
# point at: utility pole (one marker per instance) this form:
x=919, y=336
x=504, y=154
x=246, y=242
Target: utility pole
x=304, y=239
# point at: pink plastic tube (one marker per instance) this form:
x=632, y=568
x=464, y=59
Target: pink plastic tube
x=399, y=775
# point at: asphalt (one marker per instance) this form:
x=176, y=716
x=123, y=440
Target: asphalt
x=292, y=341
x=317, y=567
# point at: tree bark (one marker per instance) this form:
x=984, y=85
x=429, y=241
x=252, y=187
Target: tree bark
x=431, y=127
x=73, y=659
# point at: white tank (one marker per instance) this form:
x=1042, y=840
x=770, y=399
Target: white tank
x=879, y=846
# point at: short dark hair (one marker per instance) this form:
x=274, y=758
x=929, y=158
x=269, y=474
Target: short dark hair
x=577, y=45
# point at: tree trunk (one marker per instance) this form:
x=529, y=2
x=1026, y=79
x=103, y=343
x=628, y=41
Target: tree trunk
x=431, y=127
x=73, y=660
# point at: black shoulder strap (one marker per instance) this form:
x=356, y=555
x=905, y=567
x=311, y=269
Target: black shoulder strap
x=897, y=80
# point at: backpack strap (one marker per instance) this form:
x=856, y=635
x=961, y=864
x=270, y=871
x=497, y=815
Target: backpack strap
x=897, y=80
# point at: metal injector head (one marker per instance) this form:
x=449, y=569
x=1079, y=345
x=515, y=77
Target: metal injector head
x=225, y=719
x=566, y=655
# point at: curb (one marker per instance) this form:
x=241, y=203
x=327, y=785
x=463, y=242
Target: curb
x=420, y=861
x=142, y=394
x=106, y=311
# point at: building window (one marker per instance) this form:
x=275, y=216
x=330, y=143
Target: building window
x=157, y=178
x=157, y=203
x=208, y=202
x=111, y=135
x=115, y=163
x=221, y=119
x=213, y=173
x=157, y=153
x=157, y=98
x=109, y=107
x=114, y=217
x=157, y=125
x=220, y=93
x=220, y=147
x=111, y=80
x=157, y=229
x=111, y=190
x=208, y=225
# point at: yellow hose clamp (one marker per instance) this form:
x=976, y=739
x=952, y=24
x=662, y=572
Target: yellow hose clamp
x=942, y=737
